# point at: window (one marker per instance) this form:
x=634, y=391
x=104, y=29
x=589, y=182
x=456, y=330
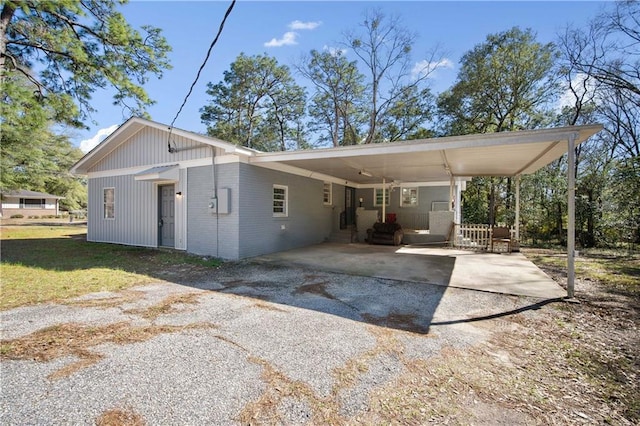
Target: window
x=377, y=197
x=280, y=201
x=32, y=203
x=109, y=203
x=326, y=193
x=409, y=197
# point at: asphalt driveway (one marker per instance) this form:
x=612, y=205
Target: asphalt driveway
x=257, y=343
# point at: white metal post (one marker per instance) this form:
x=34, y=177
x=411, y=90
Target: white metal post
x=384, y=196
x=518, y=208
x=571, y=213
x=451, y=193
x=458, y=202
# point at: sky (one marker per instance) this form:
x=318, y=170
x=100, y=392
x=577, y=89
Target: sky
x=287, y=30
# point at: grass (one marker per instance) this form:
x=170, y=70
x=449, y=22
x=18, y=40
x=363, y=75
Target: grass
x=46, y=263
x=617, y=271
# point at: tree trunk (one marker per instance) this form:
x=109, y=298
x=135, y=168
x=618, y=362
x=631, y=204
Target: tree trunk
x=5, y=17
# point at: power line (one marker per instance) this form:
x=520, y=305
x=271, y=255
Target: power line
x=213, y=43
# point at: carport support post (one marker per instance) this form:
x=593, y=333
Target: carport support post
x=517, y=209
x=571, y=213
x=384, y=197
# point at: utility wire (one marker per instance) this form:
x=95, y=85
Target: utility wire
x=213, y=43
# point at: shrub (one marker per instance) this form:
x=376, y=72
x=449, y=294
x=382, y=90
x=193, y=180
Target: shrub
x=16, y=216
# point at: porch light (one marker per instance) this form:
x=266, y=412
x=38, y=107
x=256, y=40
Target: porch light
x=179, y=194
x=365, y=173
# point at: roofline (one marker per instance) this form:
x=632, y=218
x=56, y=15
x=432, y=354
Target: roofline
x=77, y=168
x=435, y=144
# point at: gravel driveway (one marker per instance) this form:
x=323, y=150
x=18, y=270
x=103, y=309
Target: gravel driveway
x=255, y=344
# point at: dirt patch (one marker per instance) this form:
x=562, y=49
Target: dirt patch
x=315, y=288
x=268, y=307
x=166, y=306
x=406, y=322
x=109, y=300
x=120, y=417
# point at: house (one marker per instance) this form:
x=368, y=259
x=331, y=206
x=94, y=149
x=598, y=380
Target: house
x=155, y=186
x=29, y=203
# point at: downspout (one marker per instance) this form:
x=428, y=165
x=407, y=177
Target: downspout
x=571, y=213
x=215, y=198
x=384, y=198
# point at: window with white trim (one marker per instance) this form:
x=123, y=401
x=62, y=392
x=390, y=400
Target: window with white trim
x=280, y=201
x=377, y=197
x=109, y=203
x=326, y=193
x=409, y=197
x=32, y=203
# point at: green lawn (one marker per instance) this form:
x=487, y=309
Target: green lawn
x=616, y=270
x=44, y=263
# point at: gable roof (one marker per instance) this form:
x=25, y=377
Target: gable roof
x=23, y=193
x=136, y=124
x=422, y=160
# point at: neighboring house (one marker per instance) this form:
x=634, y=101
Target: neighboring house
x=29, y=203
x=153, y=186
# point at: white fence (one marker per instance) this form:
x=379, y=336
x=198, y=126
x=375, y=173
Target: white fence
x=474, y=236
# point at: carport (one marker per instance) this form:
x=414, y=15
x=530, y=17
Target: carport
x=448, y=159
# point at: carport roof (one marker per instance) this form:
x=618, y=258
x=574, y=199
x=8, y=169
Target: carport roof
x=436, y=159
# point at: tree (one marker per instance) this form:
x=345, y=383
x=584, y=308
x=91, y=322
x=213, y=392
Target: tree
x=69, y=48
x=32, y=157
x=337, y=105
x=504, y=84
x=384, y=47
x=601, y=65
x=409, y=111
x=257, y=105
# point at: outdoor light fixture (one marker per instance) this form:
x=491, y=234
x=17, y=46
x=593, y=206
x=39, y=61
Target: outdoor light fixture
x=179, y=193
x=365, y=173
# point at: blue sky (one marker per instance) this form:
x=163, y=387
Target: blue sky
x=289, y=29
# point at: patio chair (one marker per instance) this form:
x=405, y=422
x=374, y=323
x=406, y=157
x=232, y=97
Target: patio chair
x=501, y=235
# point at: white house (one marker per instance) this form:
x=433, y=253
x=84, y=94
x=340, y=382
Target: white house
x=153, y=186
x=29, y=203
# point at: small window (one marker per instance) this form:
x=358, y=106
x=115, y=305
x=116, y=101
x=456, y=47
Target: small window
x=280, y=201
x=32, y=203
x=109, y=203
x=326, y=194
x=377, y=197
x=409, y=197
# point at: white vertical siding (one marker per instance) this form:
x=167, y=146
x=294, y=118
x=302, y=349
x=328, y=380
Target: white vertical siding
x=149, y=147
x=136, y=212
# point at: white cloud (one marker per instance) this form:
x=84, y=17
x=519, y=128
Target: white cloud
x=299, y=25
x=88, y=144
x=424, y=67
x=334, y=51
x=583, y=87
x=288, y=39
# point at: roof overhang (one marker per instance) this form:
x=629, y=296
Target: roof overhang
x=435, y=159
x=159, y=174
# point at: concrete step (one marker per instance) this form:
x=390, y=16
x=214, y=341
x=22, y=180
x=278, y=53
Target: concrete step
x=343, y=236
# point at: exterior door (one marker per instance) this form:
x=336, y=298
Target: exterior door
x=350, y=205
x=166, y=215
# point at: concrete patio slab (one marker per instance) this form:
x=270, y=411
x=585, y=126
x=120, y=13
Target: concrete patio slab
x=498, y=273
